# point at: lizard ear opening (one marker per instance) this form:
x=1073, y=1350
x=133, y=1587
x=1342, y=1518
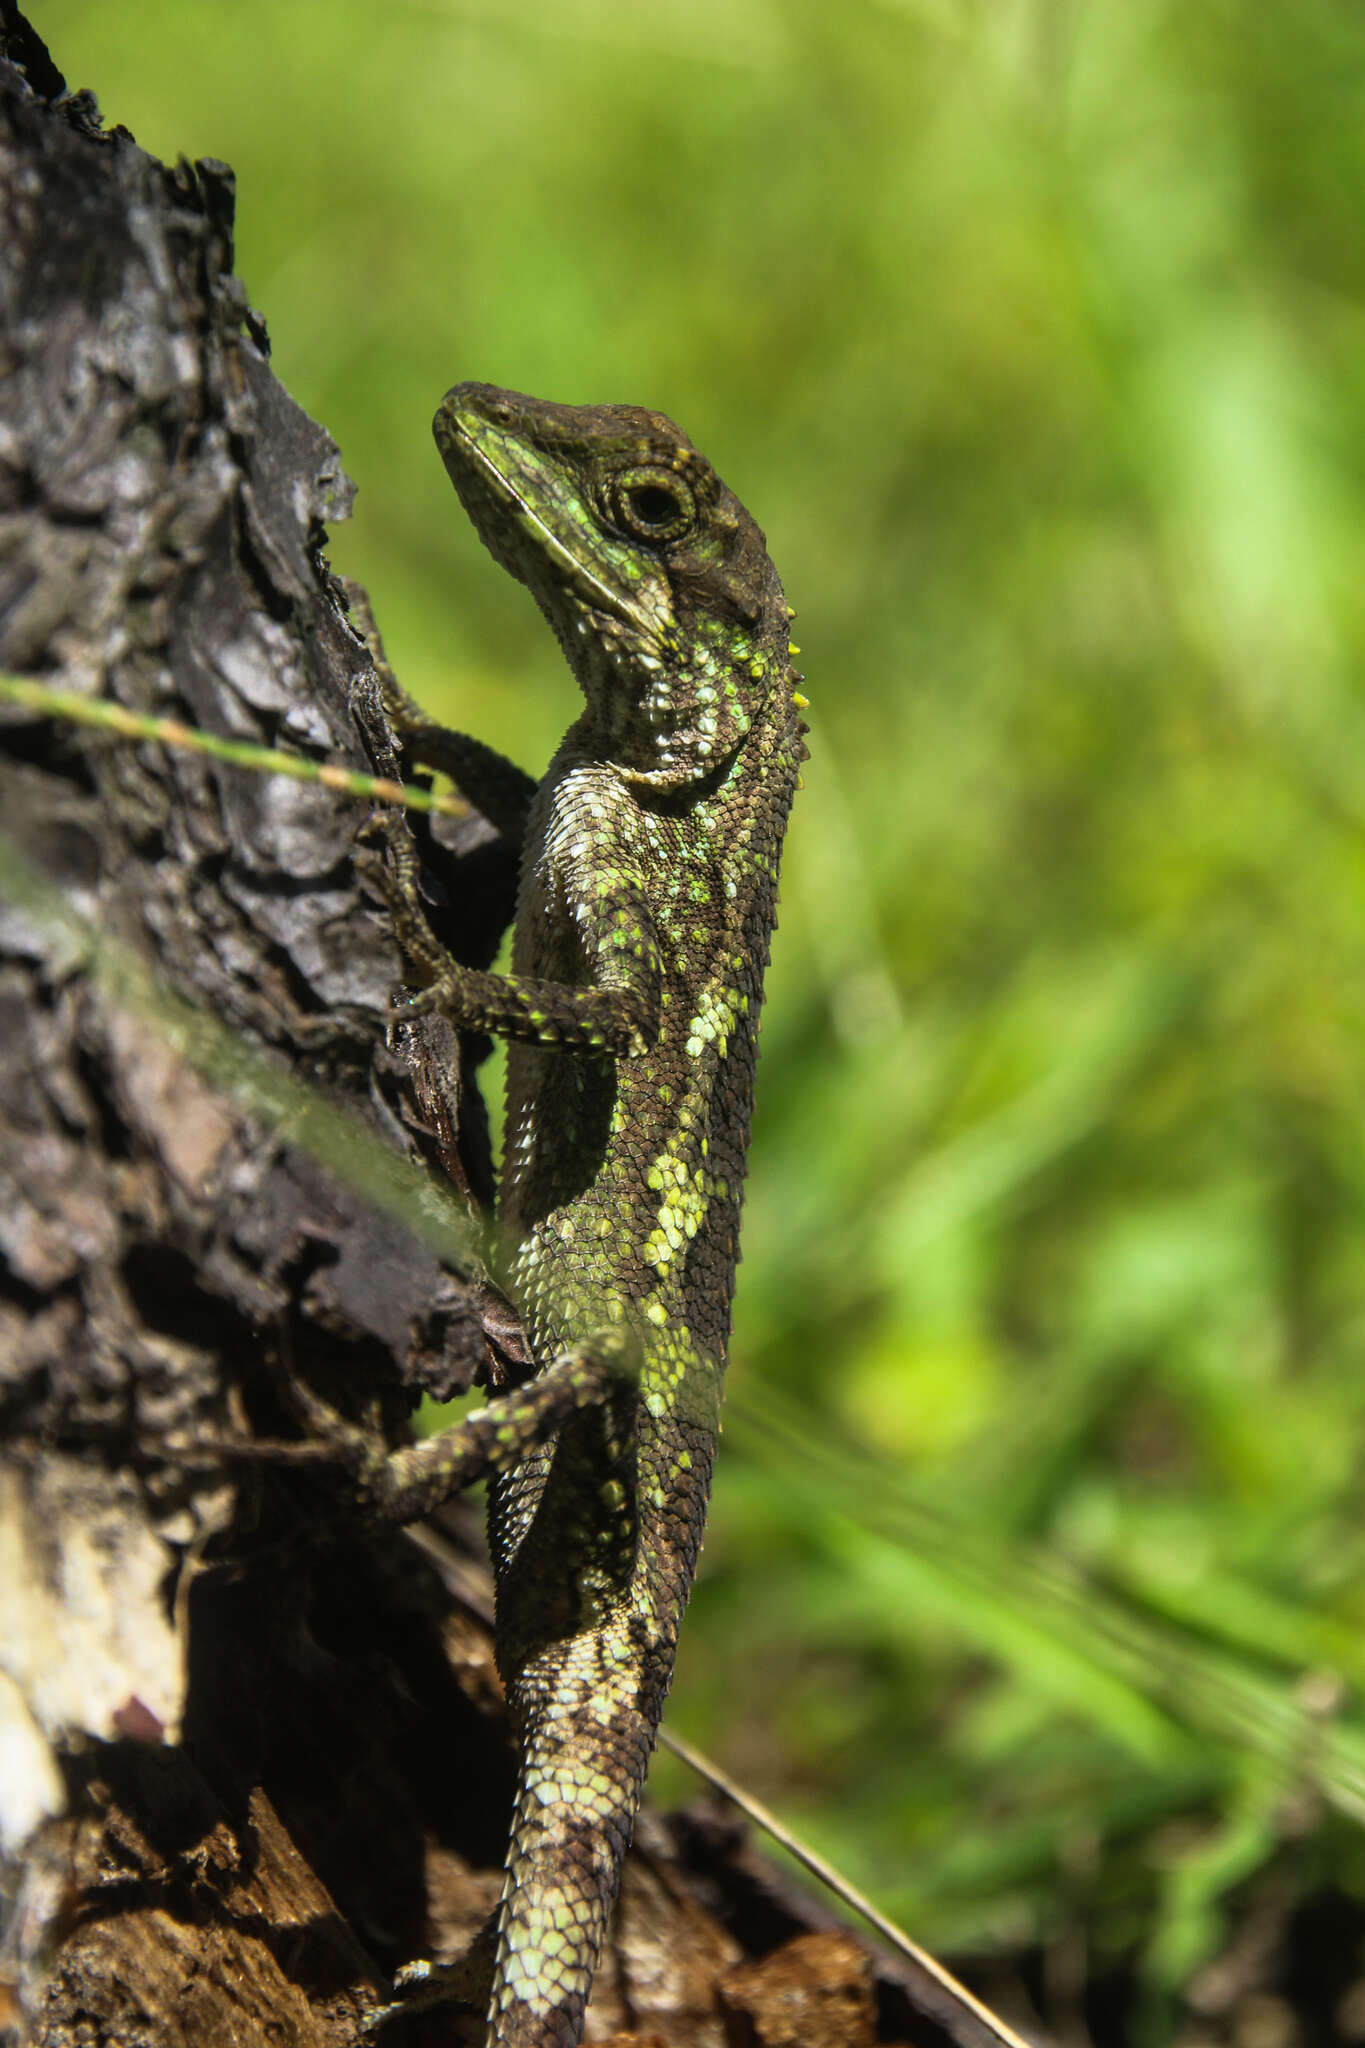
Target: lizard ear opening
x=724, y=590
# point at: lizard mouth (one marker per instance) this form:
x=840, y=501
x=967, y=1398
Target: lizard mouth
x=476, y=472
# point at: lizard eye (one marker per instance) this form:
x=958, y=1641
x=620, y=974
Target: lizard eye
x=651, y=504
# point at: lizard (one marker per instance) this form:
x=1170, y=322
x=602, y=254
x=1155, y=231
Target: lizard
x=647, y=899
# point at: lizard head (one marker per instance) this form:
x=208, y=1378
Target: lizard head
x=654, y=577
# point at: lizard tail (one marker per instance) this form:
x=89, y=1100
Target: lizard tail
x=589, y=1611
x=586, y=1701
x=580, y=1787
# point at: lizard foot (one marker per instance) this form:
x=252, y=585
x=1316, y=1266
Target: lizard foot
x=331, y=1440
x=469, y=1981
x=388, y=860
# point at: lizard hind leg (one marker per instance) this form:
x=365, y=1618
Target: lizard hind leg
x=466, y=1981
x=390, y=1488
x=412, y=1482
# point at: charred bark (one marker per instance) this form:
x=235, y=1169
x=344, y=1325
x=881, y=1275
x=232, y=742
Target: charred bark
x=233, y=1746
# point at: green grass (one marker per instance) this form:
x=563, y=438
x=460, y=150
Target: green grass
x=1033, y=335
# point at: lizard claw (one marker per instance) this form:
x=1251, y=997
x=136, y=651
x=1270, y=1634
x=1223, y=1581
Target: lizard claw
x=435, y=996
x=419, y=1985
x=328, y=1439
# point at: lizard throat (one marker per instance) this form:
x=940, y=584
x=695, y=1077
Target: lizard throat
x=663, y=727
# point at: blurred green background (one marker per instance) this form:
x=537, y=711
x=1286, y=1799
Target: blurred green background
x=1031, y=331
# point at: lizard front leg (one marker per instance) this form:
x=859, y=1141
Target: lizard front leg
x=492, y=783
x=618, y=1013
x=487, y=779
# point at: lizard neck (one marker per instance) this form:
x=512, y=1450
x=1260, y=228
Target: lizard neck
x=672, y=723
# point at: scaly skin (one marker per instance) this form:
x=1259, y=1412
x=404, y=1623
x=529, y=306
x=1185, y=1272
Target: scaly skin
x=648, y=895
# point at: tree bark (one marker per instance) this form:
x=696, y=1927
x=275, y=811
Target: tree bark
x=229, y=1747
